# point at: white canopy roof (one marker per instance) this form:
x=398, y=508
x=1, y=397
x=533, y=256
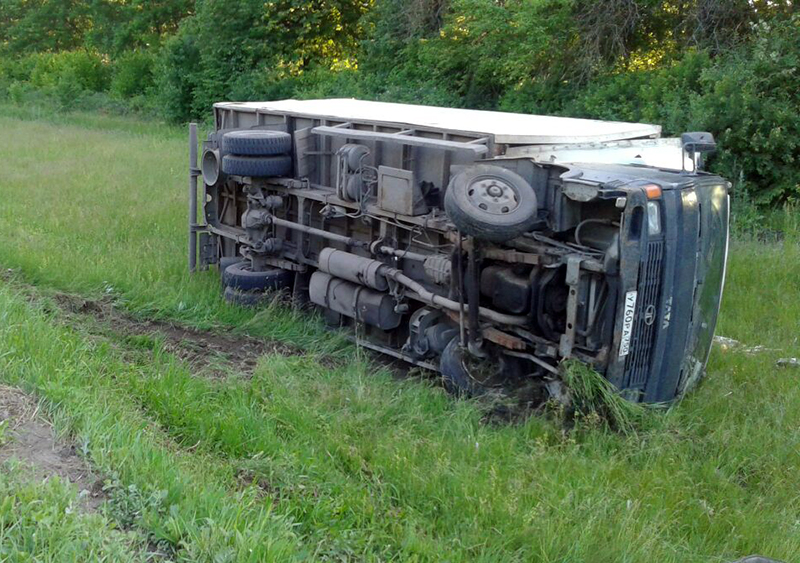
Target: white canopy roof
x=507, y=128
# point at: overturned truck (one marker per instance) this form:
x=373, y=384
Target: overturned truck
x=486, y=246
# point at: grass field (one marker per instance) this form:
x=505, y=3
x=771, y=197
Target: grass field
x=321, y=455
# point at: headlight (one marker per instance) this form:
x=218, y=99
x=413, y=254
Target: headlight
x=653, y=218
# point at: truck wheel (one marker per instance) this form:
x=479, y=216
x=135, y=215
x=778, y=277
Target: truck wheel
x=459, y=376
x=257, y=166
x=256, y=142
x=243, y=298
x=490, y=203
x=226, y=261
x=239, y=276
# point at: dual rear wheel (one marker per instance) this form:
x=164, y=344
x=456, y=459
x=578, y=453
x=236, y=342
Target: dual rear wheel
x=246, y=287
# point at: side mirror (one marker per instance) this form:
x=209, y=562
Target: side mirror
x=696, y=144
x=698, y=141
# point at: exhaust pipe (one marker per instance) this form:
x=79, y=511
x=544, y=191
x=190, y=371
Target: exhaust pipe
x=376, y=275
x=357, y=269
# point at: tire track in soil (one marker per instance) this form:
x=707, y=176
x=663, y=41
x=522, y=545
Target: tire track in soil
x=32, y=441
x=215, y=354
x=204, y=351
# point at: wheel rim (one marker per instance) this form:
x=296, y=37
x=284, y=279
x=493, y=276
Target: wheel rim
x=493, y=196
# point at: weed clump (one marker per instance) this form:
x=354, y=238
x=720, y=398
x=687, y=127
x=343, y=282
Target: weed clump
x=596, y=402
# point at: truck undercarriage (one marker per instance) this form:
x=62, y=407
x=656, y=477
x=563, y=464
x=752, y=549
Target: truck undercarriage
x=443, y=249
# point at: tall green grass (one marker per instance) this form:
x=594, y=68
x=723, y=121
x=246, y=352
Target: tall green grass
x=596, y=402
x=44, y=522
x=201, y=510
x=349, y=464
x=99, y=205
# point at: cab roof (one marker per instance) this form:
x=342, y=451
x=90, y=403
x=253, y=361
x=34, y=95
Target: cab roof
x=506, y=128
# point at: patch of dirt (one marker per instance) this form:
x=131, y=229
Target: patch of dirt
x=202, y=350
x=247, y=478
x=31, y=440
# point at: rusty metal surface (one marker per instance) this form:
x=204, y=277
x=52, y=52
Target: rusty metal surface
x=503, y=339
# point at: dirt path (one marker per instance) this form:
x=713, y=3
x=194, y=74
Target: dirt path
x=217, y=354
x=30, y=440
x=205, y=351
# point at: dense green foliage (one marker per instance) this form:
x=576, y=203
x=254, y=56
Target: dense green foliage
x=727, y=66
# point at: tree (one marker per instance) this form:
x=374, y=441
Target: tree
x=28, y=26
x=121, y=25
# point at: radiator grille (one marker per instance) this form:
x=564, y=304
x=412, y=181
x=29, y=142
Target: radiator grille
x=643, y=338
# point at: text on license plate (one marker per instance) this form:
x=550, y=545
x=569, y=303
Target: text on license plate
x=627, y=323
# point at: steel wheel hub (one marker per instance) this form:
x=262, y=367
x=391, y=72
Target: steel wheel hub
x=494, y=196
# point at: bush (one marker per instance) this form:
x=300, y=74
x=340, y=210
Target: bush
x=62, y=78
x=747, y=97
x=750, y=101
x=177, y=75
x=5, y=84
x=22, y=93
x=133, y=74
x=81, y=71
x=662, y=95
x=633, y=60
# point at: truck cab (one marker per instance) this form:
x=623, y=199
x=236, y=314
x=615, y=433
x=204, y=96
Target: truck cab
x=485, y=246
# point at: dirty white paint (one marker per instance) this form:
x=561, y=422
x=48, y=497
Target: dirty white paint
x=506, y=128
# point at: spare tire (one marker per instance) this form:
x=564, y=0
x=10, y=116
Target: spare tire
x=490, y=203
x=258, y=166
x=256, y=142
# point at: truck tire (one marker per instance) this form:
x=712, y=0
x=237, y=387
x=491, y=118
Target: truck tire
x=257, y=166
x=243, y=298
x=239, y=276
x=256, y=142
x=226, y=261
x=455, y=376
x=490, y=203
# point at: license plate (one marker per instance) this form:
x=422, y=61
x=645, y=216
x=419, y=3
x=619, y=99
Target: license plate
x=627, y=324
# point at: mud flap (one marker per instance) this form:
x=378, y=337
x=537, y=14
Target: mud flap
x=208, y=249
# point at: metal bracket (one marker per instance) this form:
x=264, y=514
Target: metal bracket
x=573, y=279
x=286, y=264
x=194, y=172
x=405, y=137
x=208, y=249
